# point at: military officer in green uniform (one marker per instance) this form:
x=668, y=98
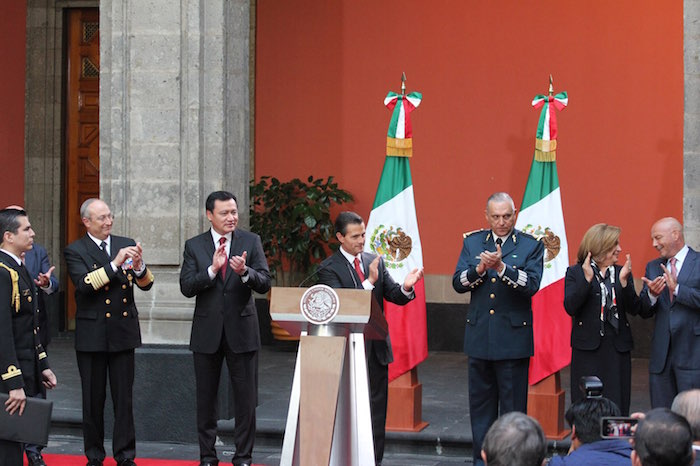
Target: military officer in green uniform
x=502, y=268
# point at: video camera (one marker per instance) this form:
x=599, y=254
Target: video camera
x=591, y=386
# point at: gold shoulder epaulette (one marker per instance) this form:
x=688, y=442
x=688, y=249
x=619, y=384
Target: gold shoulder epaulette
x=464, y=235
x=14, y=276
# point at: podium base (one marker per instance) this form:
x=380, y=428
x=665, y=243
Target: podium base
x=405, y=404
x=545, y=402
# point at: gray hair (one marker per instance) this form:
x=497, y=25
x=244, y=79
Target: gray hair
x=687, y=404
x=85, y=206
x=500, y=197
x=515, y=439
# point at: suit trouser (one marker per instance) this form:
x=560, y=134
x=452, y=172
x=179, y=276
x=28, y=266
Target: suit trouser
x=378, y=395
x=664, y=386
x=93, y=368
x=243, y=370
x=491, y=383
x=10, y=452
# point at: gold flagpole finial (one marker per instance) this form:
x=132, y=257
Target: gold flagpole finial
x=551, y=85
x=403, y=83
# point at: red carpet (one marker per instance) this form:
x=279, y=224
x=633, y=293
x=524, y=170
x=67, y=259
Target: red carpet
x=72, y=460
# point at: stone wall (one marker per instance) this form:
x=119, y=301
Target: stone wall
x=174, y=126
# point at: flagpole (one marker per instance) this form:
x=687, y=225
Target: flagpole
x=546, y=399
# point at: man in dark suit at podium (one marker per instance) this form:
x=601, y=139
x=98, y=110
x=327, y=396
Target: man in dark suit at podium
x=104, y=269
x=221, y=268
x=350, y=267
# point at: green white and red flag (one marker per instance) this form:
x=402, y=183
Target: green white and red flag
x=392, y=229
x=542, y=216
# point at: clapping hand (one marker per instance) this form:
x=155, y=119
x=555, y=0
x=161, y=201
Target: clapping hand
x=412, y=278
x=626, y=271
x=44, y=279
x=587, y=268
x=237, y=263
x=218, y=260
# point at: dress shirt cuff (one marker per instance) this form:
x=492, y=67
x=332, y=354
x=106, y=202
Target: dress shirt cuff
x=246, y=276
x=48, y=289
x=652, y=298
x=140, y=270
x=409, y=294
x=367, y=285
x=211, y=273
x=114, y=267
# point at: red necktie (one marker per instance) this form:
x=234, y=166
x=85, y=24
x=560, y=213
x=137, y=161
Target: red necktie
x=358, y=269
x=222, y=241
x=674, y=272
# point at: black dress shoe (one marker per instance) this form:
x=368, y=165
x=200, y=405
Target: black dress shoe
x=94, y=463
x=35, y=459
x=208, y=463
x=126, y=462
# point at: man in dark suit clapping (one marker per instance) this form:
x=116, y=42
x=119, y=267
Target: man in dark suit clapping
x=221, y=268
x=350, y=267
x=104, y=269
x=671, y=293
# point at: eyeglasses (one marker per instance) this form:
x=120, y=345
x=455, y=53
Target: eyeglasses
x=103, y=218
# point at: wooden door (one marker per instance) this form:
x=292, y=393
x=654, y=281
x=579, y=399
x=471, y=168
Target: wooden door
x=82, y=169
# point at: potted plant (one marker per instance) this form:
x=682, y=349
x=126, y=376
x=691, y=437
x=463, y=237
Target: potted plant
x=294, y=223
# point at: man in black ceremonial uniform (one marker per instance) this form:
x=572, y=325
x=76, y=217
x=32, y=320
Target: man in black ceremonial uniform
x=104, y=269
x=24, y=365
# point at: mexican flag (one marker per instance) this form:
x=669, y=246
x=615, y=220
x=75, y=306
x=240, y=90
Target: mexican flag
x=542, y=216
x=392, y=230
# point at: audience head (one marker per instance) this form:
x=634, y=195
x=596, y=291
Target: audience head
x=663, y=438
x=584, y=418
x=687, y=404
x=600, y=240
x=515, y=439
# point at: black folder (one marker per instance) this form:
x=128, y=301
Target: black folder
x=31, y=427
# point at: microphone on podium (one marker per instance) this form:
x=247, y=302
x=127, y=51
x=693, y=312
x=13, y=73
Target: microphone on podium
x=323, y=266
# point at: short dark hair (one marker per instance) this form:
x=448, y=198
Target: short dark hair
x=515, y=439
x=663, y=438
x=585, y=415
x=218, y=196
x=344, y=219
x=9, y=222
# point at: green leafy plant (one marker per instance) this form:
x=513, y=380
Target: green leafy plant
x=293, y=220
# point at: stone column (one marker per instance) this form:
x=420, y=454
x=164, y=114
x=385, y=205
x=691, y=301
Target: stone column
x=174, y=126
x=691, y=127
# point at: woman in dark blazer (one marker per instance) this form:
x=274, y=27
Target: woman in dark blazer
x=598, y=295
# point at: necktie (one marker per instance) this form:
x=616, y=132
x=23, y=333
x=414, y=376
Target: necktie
x=103, y=246
x=499, y=241
x=222, y=241
x=358, y=269
x=674, y=272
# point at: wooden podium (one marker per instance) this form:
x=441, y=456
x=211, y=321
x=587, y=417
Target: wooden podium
x=329, y=420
